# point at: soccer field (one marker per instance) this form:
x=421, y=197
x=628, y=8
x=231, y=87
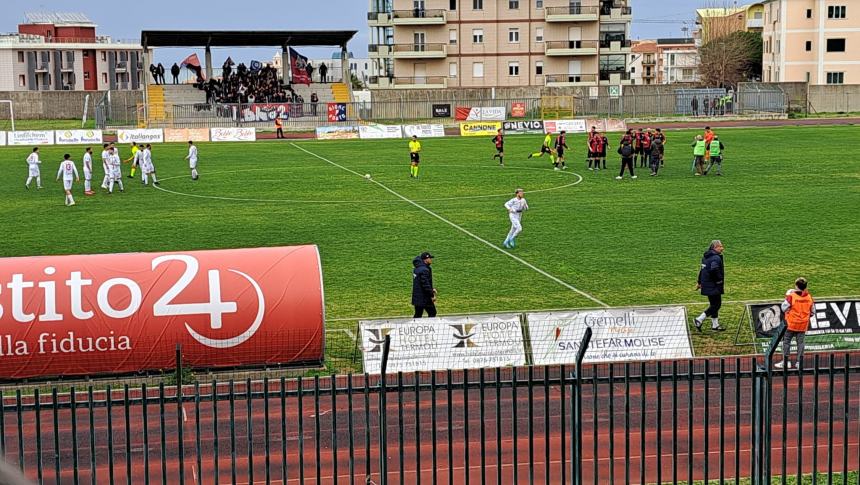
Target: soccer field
x=786, y=206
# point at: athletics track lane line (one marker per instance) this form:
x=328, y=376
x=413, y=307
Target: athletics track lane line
x=460, y=228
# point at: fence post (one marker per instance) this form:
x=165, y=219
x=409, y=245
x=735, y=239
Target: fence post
x=576, y=421
x=383, y=421
x=179, y=414
x=762, y=400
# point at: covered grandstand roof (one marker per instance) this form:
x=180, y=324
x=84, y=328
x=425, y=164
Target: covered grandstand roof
x=244, y=38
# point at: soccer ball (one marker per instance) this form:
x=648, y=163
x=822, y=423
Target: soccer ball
x=367, y=176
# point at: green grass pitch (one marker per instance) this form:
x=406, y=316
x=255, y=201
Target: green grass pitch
x=786, y=206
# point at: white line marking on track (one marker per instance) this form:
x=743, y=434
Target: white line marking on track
x=460, y=228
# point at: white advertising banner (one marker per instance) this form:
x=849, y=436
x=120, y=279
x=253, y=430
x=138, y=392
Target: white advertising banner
x=619, y=335
x=140, y=136
x=424, y=131
x=2, y=138
x=30, y=138
x=444, y=343
x=495, y=113
x=234, y=134
x=570, y=126
x=78, y=137
x=375, y=131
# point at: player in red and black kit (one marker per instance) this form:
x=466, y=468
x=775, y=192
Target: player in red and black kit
x=628, y=136
x=560, y=145
x=637, y=147
x=499, y=141
x=604, y=144
x=597, y=148
x=592, y=154
x=659, y=134
x=646, y=148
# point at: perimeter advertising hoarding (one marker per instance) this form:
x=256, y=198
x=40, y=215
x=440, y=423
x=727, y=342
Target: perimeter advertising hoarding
x=522, y=127
x=29, y=138
x=424, y=131
x=337, y=133
x=481, y=128
x=374, y=131
x=125, y=313
x=233, y=134
x=570, y=126
x=78, y=137
x=444, y=343
x=831, y=317
x=619, y=335
x=184, y=135
x=140, y=136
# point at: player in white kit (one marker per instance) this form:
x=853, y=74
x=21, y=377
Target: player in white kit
x=115, y=170
x=69, y=173
x=35, y=172
x=192, y=160
x=147, y=167
x=137, y=162
x=106, y=164
x=88, y=171
x=515, y=207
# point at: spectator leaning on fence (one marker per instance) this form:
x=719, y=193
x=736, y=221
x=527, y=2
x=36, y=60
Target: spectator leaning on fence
x=797, y=306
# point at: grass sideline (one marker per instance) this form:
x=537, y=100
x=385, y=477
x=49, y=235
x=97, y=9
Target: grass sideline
x=786, y=206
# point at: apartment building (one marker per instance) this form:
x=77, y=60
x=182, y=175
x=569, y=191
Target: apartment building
x=488, y=43
x=811, y=40
x=61, y=51
x=664, y=61
x=718, y=22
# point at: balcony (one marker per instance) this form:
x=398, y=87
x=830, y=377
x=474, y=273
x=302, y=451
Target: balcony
x=419, y=17
x=67, y=66
x=121, y=66
x=420, y=51
x=43, y=66
x=379, y=19
x=615, y=46
x=649, y=61
x=568, y=80
x=619, y=13
x=425, y=82
x=614, y=78
x=755, y=23
x=572, y=13
x=570, y=47
x=379, y=51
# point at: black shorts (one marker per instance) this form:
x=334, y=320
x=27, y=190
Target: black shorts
x=602, y=154
x=500, y=149
x=545, y=149
x=717, y=159
x=637, y=150
x=414, y=157
x=560, y=151
x=593, y=154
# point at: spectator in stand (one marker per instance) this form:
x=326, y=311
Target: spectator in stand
x=309, y=69
x=714, y=104
x=694, y=104
x=323, y=73
x=174, y=71
x=314, y=101
x=160, y=73
x=154, y=71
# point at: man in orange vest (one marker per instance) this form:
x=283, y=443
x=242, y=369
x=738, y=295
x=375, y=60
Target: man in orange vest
x=279, y=127
x=797, y=307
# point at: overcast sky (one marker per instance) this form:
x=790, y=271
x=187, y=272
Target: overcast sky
x=114, y=18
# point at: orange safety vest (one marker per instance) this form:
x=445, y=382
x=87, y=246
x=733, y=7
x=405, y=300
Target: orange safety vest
x=278, y=123
x=797, y=316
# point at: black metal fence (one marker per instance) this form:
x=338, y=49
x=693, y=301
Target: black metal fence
x=654, y=422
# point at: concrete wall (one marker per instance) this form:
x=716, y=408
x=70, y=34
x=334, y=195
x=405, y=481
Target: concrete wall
x=834, y=98
x=34, y=105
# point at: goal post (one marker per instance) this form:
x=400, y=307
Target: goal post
x=11, y=114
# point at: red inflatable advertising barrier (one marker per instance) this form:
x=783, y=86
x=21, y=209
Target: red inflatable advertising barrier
x=125, y=313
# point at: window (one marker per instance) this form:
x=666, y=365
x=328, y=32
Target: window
x=632, y=70
x=835, y=77
x=478, y=69
x=777, y=47
x=807, y=76
x=809, y=13
x=452, y=36
x=539, y=68
x=452, y=5
x=20, y=56
x=513, y=68
x=477, y=36
x=514, y=36
x=513, y=4
x=22, y=81
x=671, y=59
x=477, y=4
x=808, y=45
x=836, y=12
x=86, y=54
x=686, y=73
x=539, y=34
x=104, y=57
x=86, y=75
x=452, y=70
x=104, y=78
x=835, y=45
x=538, y=3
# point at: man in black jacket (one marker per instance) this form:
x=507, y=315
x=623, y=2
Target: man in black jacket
x=711, y=282
x=423, y=292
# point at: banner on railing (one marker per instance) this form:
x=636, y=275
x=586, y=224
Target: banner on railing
x=233, y=134
x=424, y=131
x=266, y=112
x=518, y=110
x=619, y=335
x=606, y=124
x=78, y=137
x=184, y=135
x=522, y=127
x=337, y=132
x=444, y=343
x=124, y=313
x=487, y=128
x=140, y=136
x=467, y=113
x=374, y=131
x=336, y=112
x=570, y=126
x=441, y=110
x=30, y=137
x=830, y=317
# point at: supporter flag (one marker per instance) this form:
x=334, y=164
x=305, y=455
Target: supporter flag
x=192, y=62
x=336, y=112
x=298, y=66
x=256, y=66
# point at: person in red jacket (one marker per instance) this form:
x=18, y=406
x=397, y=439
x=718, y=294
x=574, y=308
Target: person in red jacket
x=499, y=141
x=797, y=307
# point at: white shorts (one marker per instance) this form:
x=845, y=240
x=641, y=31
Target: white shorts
x=88, y=175
x=192, y=164
x=67, y=184
x=34, y=172
x=116, y=173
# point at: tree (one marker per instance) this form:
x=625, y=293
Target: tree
x=727, y=60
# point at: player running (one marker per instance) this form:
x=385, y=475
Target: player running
x=88, y=171
x=499, y=141
x=115, y=165
x=515, y=208
x=69, y=173
x=560, y=145
x=192, y=160
x=33, y=164
x=545, y=148
x=414, y=156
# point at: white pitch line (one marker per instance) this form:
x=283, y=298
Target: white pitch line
x=460, y=228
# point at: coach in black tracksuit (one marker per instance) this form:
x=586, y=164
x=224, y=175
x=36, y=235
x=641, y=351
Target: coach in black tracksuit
x=423, y=291
x=711, y=282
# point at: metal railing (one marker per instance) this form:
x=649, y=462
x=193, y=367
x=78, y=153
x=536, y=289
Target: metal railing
x=419, y=81
x=607, y=43
x=418, y=13
x=419, y=47
x=634, y=422
x=570, y=78
x=572, y=44
x=572, y=10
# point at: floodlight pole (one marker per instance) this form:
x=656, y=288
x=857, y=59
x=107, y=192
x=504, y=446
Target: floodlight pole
x=11, y=111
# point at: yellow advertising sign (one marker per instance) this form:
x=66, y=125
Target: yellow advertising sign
x=480, y=128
